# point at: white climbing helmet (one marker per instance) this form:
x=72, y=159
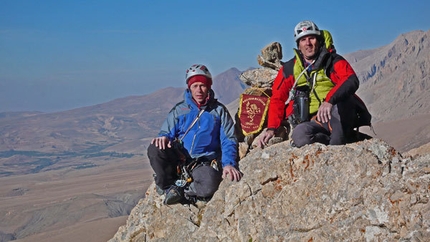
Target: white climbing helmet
x=305, y=28
x=195, y=70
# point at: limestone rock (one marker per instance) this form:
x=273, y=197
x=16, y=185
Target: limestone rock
x=270, y=60
x=364, y=191
x=260, y=77
x=271, y=56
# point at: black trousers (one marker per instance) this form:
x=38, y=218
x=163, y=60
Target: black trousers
x=164, y=163
x=206, y=179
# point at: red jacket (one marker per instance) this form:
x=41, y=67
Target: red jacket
x=337, y=69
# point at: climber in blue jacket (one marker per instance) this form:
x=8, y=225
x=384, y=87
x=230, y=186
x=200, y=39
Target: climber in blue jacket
x=196, y=147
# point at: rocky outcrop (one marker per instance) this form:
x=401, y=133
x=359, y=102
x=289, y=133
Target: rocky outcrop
x=364, y=191
x=262, y=78
x=271, y=56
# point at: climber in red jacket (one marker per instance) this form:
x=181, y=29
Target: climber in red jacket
x=315, y=92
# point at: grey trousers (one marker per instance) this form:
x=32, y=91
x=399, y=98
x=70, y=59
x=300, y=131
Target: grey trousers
x=206, y=179
x=331, y=133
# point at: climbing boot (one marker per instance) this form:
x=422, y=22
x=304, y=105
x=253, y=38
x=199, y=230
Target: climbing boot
x=173, y=195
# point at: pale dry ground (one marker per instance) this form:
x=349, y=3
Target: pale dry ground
x=424, y=149
x=70, y=205
x=404, y=134
x=99, y=230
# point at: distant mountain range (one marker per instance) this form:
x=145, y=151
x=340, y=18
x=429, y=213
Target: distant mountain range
x=396, y=77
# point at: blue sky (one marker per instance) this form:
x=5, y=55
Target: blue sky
x=59, y=55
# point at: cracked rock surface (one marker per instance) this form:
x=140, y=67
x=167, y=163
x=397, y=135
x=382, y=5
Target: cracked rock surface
x=357, y=192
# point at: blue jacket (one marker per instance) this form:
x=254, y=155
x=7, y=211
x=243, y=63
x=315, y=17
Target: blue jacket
x=212, y=135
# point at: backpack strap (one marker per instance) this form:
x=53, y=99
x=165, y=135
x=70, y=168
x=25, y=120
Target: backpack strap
x=192, y=124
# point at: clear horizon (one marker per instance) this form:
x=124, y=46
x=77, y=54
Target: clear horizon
x=60, y=55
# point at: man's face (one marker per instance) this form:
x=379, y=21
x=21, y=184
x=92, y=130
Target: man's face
x=309, y=46
x=199, y=92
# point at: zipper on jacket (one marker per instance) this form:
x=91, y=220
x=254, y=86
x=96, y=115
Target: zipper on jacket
x=194, y=139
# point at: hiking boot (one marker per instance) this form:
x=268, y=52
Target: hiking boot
x=293, y=144
x=321, y=138
x=159, y=190
x=173, y=196
x=190, y=199
x=199, y=202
